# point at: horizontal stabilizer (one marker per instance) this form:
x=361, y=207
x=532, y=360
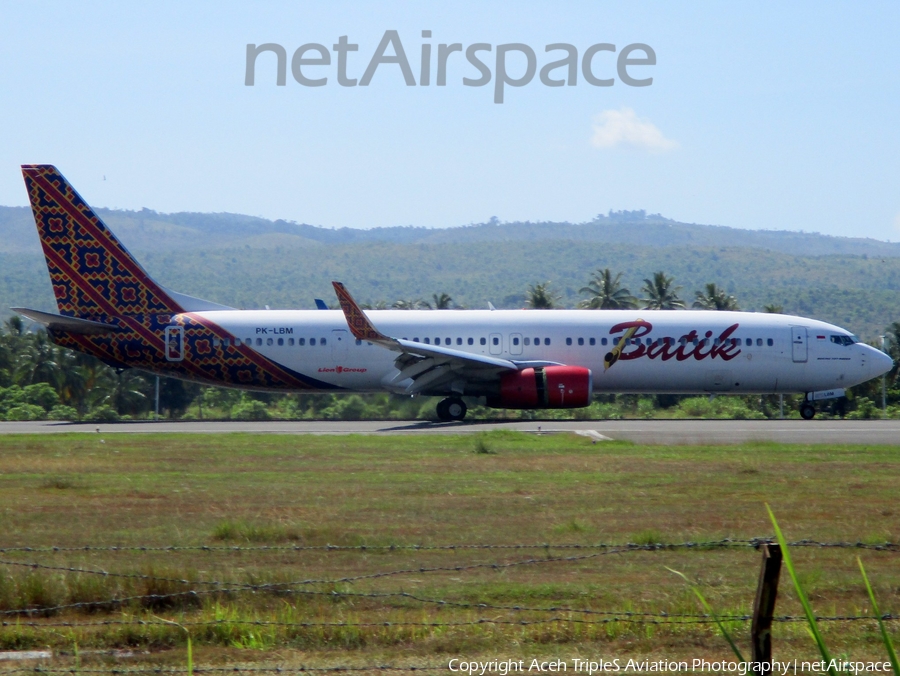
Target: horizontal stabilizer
x=63, y=323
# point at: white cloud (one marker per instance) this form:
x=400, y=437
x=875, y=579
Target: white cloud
x=622, y=127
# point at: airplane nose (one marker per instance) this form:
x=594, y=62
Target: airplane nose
x=878, y=362
x=882, y=363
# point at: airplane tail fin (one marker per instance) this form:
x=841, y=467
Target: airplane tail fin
x=93, y=275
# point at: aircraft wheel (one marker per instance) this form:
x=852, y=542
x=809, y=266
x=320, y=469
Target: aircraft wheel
x=456, y=408
x=442, y=412
x=451, y=408
x=807, y=411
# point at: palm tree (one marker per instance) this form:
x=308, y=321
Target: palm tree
x=607, y=293
x=773, y=309
x=129, y=394
x=661, y=293
x=417, y=304
x=715, y=298
x=442, y=301
x=37, y=360
x=541, y=297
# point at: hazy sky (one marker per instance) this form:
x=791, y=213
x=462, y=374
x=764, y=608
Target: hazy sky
x=760, y=115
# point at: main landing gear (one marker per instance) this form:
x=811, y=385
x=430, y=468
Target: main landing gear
x=807, y=411
x=451, y=408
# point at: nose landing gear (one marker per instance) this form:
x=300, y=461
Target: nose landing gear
x=451, y=408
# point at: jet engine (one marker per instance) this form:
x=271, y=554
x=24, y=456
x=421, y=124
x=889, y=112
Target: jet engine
x=547, y=387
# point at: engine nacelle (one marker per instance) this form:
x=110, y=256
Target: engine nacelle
x=547, y=387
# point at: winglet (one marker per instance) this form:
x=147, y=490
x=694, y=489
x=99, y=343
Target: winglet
x=359, y=324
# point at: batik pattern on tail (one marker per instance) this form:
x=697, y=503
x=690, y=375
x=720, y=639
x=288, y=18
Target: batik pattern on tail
x=95, y=277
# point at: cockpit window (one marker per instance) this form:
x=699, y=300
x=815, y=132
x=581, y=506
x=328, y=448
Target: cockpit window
x=843, y=340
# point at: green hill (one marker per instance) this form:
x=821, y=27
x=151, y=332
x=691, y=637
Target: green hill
x=250, y=262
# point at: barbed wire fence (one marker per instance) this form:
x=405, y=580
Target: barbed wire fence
x=21, y=617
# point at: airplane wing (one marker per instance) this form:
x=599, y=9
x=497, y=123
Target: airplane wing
x=426, y=366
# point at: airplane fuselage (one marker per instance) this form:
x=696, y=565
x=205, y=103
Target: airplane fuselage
x=670, y=351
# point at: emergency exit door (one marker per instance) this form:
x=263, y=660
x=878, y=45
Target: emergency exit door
x=799, y=345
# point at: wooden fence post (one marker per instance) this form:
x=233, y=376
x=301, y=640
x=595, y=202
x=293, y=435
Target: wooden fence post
x=764, y=607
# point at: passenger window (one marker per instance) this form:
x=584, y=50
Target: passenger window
x=301, y=342
x=770, y=342
x=537, y=341
x=427, y=341
x=603, y=341
x=568, y=341
x=495, y=341
x=546, y=341
x=649, y=342
x=581, y=341
x=592, y=341
x=515, y=341
x=527, y=341
x=321, y=341
x=471, y=341
x=280, y=341
x=483, y=341
x=437, y=341
x=415, y=340
x=358, y=341
x=237, y=341
x=459, y=341
x=216, y=342
x=259, y=341
x=448, y=341
x=759, y=342
x=312, y=341
x=748, y=342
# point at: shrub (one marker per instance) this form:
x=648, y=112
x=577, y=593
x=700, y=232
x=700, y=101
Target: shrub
x=103, y=413
x=346, y=408
x=865, y=410
x=61, y=412
x=26, y=412
x=251, y=409
x=41, y=394
x=732, y=408
x=10, y=397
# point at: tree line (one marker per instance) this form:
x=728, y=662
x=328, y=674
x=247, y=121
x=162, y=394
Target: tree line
x=39, y=380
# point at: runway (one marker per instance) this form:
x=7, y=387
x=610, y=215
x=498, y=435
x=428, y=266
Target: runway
x=666, y=432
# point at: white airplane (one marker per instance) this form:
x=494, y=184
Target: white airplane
x=110, y=307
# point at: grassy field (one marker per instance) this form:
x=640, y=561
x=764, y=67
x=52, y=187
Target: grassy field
x=255, y=501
